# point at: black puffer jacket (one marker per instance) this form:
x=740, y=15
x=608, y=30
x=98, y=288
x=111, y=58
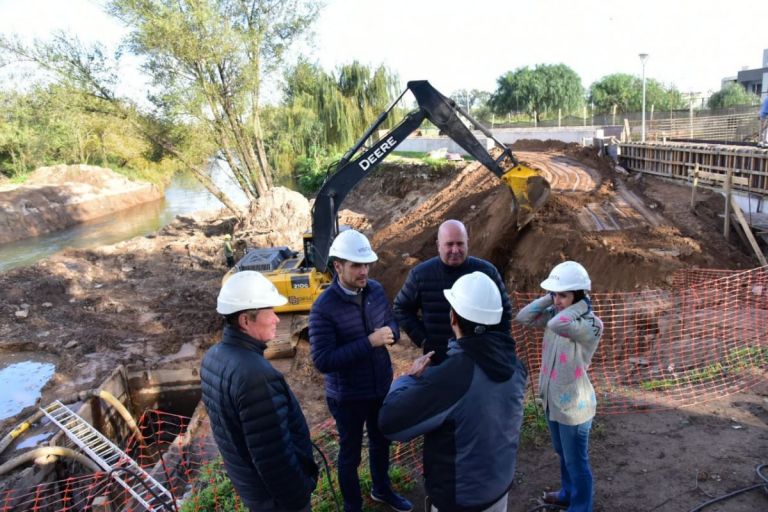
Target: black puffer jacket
x=423, y=292
x=258, y=426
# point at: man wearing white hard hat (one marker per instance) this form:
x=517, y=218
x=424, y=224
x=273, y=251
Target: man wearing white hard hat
x=256, y=420
x=469, y=408
x=571, y=335
x=350, y=326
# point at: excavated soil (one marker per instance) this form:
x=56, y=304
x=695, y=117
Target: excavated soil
x=150, y=302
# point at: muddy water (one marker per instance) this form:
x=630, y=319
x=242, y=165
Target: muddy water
x=183, y=195
x=21, y=380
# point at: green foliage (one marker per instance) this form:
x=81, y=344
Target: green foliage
x=208, y=60
x=625, y=92
x=324, y=495
x=322, y=110
x=539, y=91
x=737, y=360
x=619, y=90
x=732, y=95
x=535, y=430
x=217, y=493
x=312, y=170
x=56, y=124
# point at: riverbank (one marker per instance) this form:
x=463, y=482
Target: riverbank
x=55, y=198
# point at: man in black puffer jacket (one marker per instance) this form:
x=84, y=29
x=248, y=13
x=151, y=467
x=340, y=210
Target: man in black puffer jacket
x=256, y=420
x=422, y=291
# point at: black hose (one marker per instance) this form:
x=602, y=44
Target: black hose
x=764, y=485
x=328, y=476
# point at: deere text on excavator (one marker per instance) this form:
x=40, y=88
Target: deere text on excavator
x=302, y=276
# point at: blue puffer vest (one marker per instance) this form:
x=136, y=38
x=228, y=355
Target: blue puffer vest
x=338, y=334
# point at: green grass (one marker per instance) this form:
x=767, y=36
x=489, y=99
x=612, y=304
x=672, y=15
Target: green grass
x=217, y=492
x=736, y=361
x=534, y=430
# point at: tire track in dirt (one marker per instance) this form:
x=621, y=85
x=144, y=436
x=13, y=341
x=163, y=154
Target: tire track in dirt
x=565, y=175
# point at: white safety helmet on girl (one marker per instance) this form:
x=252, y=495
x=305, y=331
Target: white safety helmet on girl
x=476, y=298
x=566, y=277
x=248, y=289
x=352, y=246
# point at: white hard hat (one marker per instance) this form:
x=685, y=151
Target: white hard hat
x=477, y=298
x=352, y=246
x=247, y=289
x=567, y=276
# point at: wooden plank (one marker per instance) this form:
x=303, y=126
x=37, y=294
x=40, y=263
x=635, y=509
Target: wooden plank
x=735, y=180
x=716, y=176
x=748, y=232
x=693, y=188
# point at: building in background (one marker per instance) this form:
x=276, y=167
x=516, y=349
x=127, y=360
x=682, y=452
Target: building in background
x=755, y=80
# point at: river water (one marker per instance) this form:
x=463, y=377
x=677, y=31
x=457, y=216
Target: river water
x=183, y=195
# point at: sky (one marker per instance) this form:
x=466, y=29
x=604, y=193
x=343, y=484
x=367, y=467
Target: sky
x=469, y=44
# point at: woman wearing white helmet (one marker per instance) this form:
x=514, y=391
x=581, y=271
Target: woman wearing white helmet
x=572, y=333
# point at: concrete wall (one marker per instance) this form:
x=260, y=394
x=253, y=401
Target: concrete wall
x=425, y=144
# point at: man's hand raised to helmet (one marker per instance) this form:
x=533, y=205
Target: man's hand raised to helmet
x=381, y=336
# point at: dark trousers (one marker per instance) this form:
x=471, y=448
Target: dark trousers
x=350, y=418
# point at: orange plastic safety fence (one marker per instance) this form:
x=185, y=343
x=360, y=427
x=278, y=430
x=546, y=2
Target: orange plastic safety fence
x=672, y=348
x=185, y=460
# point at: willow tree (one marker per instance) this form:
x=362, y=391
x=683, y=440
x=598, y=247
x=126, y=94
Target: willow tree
x=208, y=60
x=325, y=113
x=546, y=87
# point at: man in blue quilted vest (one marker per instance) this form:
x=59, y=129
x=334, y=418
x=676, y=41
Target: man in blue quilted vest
x=350, y=326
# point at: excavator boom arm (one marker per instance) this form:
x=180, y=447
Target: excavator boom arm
x=441, y=111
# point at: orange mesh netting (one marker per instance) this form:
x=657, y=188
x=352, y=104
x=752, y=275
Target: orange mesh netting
x=672, y=348
x=184, y=459
x=702, y=340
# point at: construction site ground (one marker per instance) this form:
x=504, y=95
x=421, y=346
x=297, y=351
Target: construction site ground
x=150, y=301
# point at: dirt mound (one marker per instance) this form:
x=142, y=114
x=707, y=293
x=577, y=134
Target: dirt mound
x=280, y=217
x=470, y=196
x=540, y=145
x=54, y=198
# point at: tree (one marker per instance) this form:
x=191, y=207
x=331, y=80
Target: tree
x=470, y=100
x=625, y=92
x=546, y=88
x=323, y=114
x=89, y=77
x=208, y=60
x=732, y=95
x=619, y=90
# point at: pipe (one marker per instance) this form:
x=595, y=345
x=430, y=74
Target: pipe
x=82, y=396
x=120, y=408
x=13, y=434
x=48, y=451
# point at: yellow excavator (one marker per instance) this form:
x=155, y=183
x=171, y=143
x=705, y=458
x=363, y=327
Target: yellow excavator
x=302, y=276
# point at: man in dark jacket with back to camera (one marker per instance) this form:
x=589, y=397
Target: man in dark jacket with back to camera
x=256, y=420
x=420, y=307
x=469, y=409
x=350, y=325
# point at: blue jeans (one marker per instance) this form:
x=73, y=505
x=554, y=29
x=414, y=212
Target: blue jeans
x=571, y=443
x=350, y=418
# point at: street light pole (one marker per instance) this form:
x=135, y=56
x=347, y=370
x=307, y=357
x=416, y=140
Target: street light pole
x=643, y=58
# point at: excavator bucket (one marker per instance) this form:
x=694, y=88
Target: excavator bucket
x=531, y=191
